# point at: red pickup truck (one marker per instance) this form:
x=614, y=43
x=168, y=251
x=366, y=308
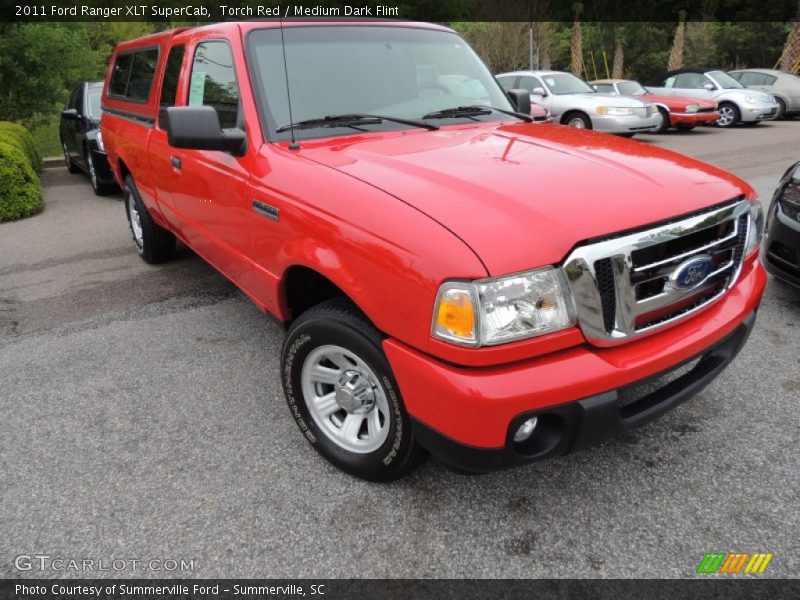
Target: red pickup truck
x=455, y=279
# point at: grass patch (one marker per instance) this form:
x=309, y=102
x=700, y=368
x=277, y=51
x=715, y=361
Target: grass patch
x=46, y=139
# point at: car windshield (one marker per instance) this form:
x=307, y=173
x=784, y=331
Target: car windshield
x=630, y=88
x=566, y=83
x=726, y=81
x=401, y=72
x=93, y=93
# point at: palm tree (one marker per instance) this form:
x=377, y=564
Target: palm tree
x=577, y=41
x=676, y=56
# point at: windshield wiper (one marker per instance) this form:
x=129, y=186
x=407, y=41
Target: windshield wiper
x=353, y=120
x=472, y=111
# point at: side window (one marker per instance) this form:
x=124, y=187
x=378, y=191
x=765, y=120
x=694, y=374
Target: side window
x=79, y=100
x=507, y=83
x=769, y=80
x=670, y=82
x=169, y=84
x=604, y=88
x=133, y=75
x=71, y=99
x=690, y=81
x=120, y=76
x=527, y=84
x=213, y=82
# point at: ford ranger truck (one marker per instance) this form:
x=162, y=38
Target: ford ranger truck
x=456, y=280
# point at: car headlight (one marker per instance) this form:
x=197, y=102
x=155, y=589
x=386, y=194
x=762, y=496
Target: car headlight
x=100, y=145
x=692, y=108
x=751, y=99
x=503, y=309
x=789, y=199
x=756, y=231
x=615, y=111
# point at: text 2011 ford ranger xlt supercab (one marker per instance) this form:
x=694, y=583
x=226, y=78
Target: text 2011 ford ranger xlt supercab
x=456, y=279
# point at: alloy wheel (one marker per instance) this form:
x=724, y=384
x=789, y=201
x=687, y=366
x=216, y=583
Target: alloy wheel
x=726, y=116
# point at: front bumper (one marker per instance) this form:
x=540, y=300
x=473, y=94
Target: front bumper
x=631, y=124
x=782, y=246
x=467, y=416
x=759, y=112
x=676, y=118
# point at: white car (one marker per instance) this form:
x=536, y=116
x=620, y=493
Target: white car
x=571, y=101
x=737, y=104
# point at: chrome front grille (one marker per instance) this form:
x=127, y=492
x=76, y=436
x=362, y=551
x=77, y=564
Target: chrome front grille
x=632, y=284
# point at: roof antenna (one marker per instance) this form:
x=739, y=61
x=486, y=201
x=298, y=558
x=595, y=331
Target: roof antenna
x=293, y=145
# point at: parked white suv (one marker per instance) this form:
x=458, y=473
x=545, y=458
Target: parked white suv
x=571, y=101
x=737, y=104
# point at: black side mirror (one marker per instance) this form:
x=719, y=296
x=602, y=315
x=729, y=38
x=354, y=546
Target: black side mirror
x=521, y=99
x=198, y=128
x=70, y=114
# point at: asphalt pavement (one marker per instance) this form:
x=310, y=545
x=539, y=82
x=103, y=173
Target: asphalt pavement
x=143, y=418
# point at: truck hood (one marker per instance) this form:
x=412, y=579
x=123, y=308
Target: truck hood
x=523, y=195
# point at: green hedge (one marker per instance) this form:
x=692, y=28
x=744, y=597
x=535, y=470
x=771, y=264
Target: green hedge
x=17, y=134
x=20, y=190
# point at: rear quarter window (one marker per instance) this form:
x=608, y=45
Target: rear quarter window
x=133, y=74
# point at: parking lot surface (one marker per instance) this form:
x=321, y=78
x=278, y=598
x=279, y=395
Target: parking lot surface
x=142, y=417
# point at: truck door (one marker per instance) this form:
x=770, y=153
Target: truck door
x=211, y=191
x=166, y=176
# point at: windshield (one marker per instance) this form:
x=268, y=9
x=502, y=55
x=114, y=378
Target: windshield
x=382, y=70
x=726, y=81
x=630, y=88
x=93, y=93
x=566, y=83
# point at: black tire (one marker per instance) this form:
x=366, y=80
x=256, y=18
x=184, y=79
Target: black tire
x=338, y=322
x=736, y=115
x=71, y=166
x=665, y=124
x=781, y=114
x=99, y=188
x=156, y=244
x=571, y=119
x=684, y=127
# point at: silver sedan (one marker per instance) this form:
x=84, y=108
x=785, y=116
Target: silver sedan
x=784, y=86
x=572, y=102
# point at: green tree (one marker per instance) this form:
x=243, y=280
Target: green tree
x=38, y=64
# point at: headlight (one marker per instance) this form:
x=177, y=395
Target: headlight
x=789, y=199
x=692, y=108
x=751, y=99
x=100, y=145
x=615, y=111
x=504, y=309
x=756, y=231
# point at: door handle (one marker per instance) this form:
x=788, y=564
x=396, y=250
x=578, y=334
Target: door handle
x=176, y=162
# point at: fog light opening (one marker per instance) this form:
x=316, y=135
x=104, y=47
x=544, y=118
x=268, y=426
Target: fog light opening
x=526, y=430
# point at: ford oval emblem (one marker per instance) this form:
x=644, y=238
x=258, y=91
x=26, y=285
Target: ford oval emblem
x=692, y=272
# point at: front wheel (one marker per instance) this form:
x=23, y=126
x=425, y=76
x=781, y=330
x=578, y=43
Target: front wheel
x=665, y=124
x=577, y=120
x=781, y=109
x=100, y=188
x=154, y=243
x=343, y=396
x=729, y=115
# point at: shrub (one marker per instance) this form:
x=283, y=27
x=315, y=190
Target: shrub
x=20, y=191
x=21, y=137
